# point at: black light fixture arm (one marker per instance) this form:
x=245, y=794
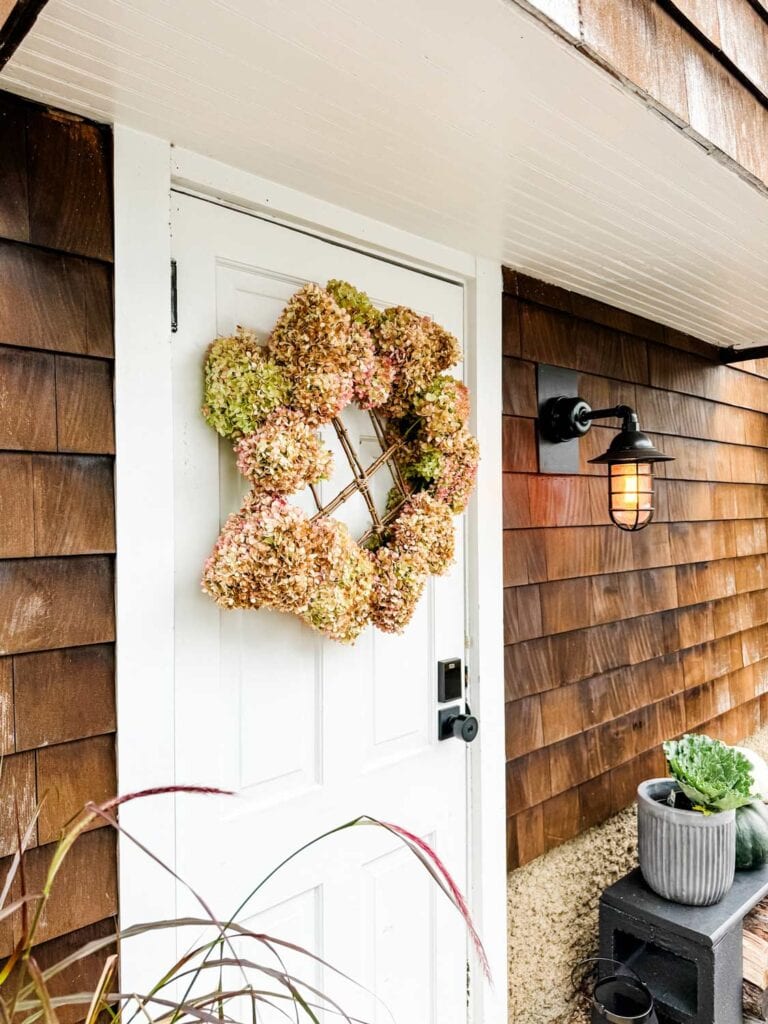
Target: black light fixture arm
x=625, y=413
x=564, y=418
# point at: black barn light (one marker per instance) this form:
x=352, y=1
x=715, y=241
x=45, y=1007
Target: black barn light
x=630, y=456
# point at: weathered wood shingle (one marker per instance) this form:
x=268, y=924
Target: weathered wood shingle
x=57, y=626
x=616, y=641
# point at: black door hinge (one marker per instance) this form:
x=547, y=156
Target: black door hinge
x=174, y=299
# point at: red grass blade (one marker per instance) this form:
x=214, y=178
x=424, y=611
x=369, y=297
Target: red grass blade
x=118, y=801
x=430, y=860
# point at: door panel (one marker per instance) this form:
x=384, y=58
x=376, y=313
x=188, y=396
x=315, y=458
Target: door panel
x=309, y=733
x=394, y=893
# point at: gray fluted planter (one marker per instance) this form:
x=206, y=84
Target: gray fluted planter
x=685, y=856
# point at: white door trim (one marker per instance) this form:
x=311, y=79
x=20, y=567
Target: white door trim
x=144, y=510
x=145, y=170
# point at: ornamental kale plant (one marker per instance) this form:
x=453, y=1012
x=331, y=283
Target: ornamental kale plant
x=714, y=776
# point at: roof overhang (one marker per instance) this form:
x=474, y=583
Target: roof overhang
x=470, y=124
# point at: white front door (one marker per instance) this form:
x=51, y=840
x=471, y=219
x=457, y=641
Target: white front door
x=310, y=733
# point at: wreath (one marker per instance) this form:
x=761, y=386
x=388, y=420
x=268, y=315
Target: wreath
x=329, y=347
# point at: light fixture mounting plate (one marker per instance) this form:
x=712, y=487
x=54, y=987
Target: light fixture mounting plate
x=556, y=382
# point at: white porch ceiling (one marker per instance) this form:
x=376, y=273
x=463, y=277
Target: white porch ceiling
x=466, y=122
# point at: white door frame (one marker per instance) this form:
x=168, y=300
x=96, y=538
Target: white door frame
x=146, y=168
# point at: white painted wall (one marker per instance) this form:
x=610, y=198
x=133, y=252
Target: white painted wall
x=145, y=170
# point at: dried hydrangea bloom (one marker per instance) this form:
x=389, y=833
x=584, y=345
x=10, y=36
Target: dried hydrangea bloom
x=283, y=455
x=446, y=468
x=456, y=480
x=241, y=385
x=357, y=304
x=399, y=583
x=443, y=407
x=316, y=338
x=373, y=374
x=424, y=530
x=419, y=349
x=444, y=346
x=342, y=582
x=371, y=377
x=321, y=396
x=261, y=557
x=311, y=332
x=373, y=388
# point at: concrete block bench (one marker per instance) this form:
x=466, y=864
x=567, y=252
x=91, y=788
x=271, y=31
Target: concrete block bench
x=689, y=957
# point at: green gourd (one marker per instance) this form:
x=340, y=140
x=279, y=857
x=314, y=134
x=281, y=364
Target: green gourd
x=751, y=836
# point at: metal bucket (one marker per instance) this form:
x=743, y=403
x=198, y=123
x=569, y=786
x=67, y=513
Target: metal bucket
x=620, y=998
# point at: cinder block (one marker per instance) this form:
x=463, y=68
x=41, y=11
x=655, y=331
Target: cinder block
x=689, y=957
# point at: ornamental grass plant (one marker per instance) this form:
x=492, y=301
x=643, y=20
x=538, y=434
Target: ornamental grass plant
x=232, y=975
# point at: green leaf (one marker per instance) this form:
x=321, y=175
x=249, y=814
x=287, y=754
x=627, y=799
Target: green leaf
x=714, y=776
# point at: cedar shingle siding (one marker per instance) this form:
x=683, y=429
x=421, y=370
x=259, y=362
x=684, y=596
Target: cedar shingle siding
x=616, y=641
x=703, y=63
x=57, y=627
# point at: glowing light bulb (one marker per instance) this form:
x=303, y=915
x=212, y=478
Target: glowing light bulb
x=630, y=494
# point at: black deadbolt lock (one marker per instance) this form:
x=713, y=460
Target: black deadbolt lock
x=450, y=723
x=449, y=680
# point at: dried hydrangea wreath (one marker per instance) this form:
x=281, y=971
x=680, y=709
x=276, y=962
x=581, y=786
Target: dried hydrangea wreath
x=331, y=347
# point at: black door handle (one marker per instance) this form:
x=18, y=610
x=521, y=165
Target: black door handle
x=451, y=723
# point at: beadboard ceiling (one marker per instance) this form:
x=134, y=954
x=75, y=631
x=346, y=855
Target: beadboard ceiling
x=468, y=123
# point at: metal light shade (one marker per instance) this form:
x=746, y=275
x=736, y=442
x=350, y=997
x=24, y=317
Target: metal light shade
x=630, y=459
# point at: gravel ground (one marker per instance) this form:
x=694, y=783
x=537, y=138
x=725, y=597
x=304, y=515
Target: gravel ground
x=552, y=913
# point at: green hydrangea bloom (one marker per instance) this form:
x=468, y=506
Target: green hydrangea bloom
x=242, y=386
x=356, y=303
x=426, y=465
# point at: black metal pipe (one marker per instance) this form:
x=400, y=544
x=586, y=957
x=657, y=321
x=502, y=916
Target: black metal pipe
x=620, y=412
x=741, y=355
x=20, y=20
